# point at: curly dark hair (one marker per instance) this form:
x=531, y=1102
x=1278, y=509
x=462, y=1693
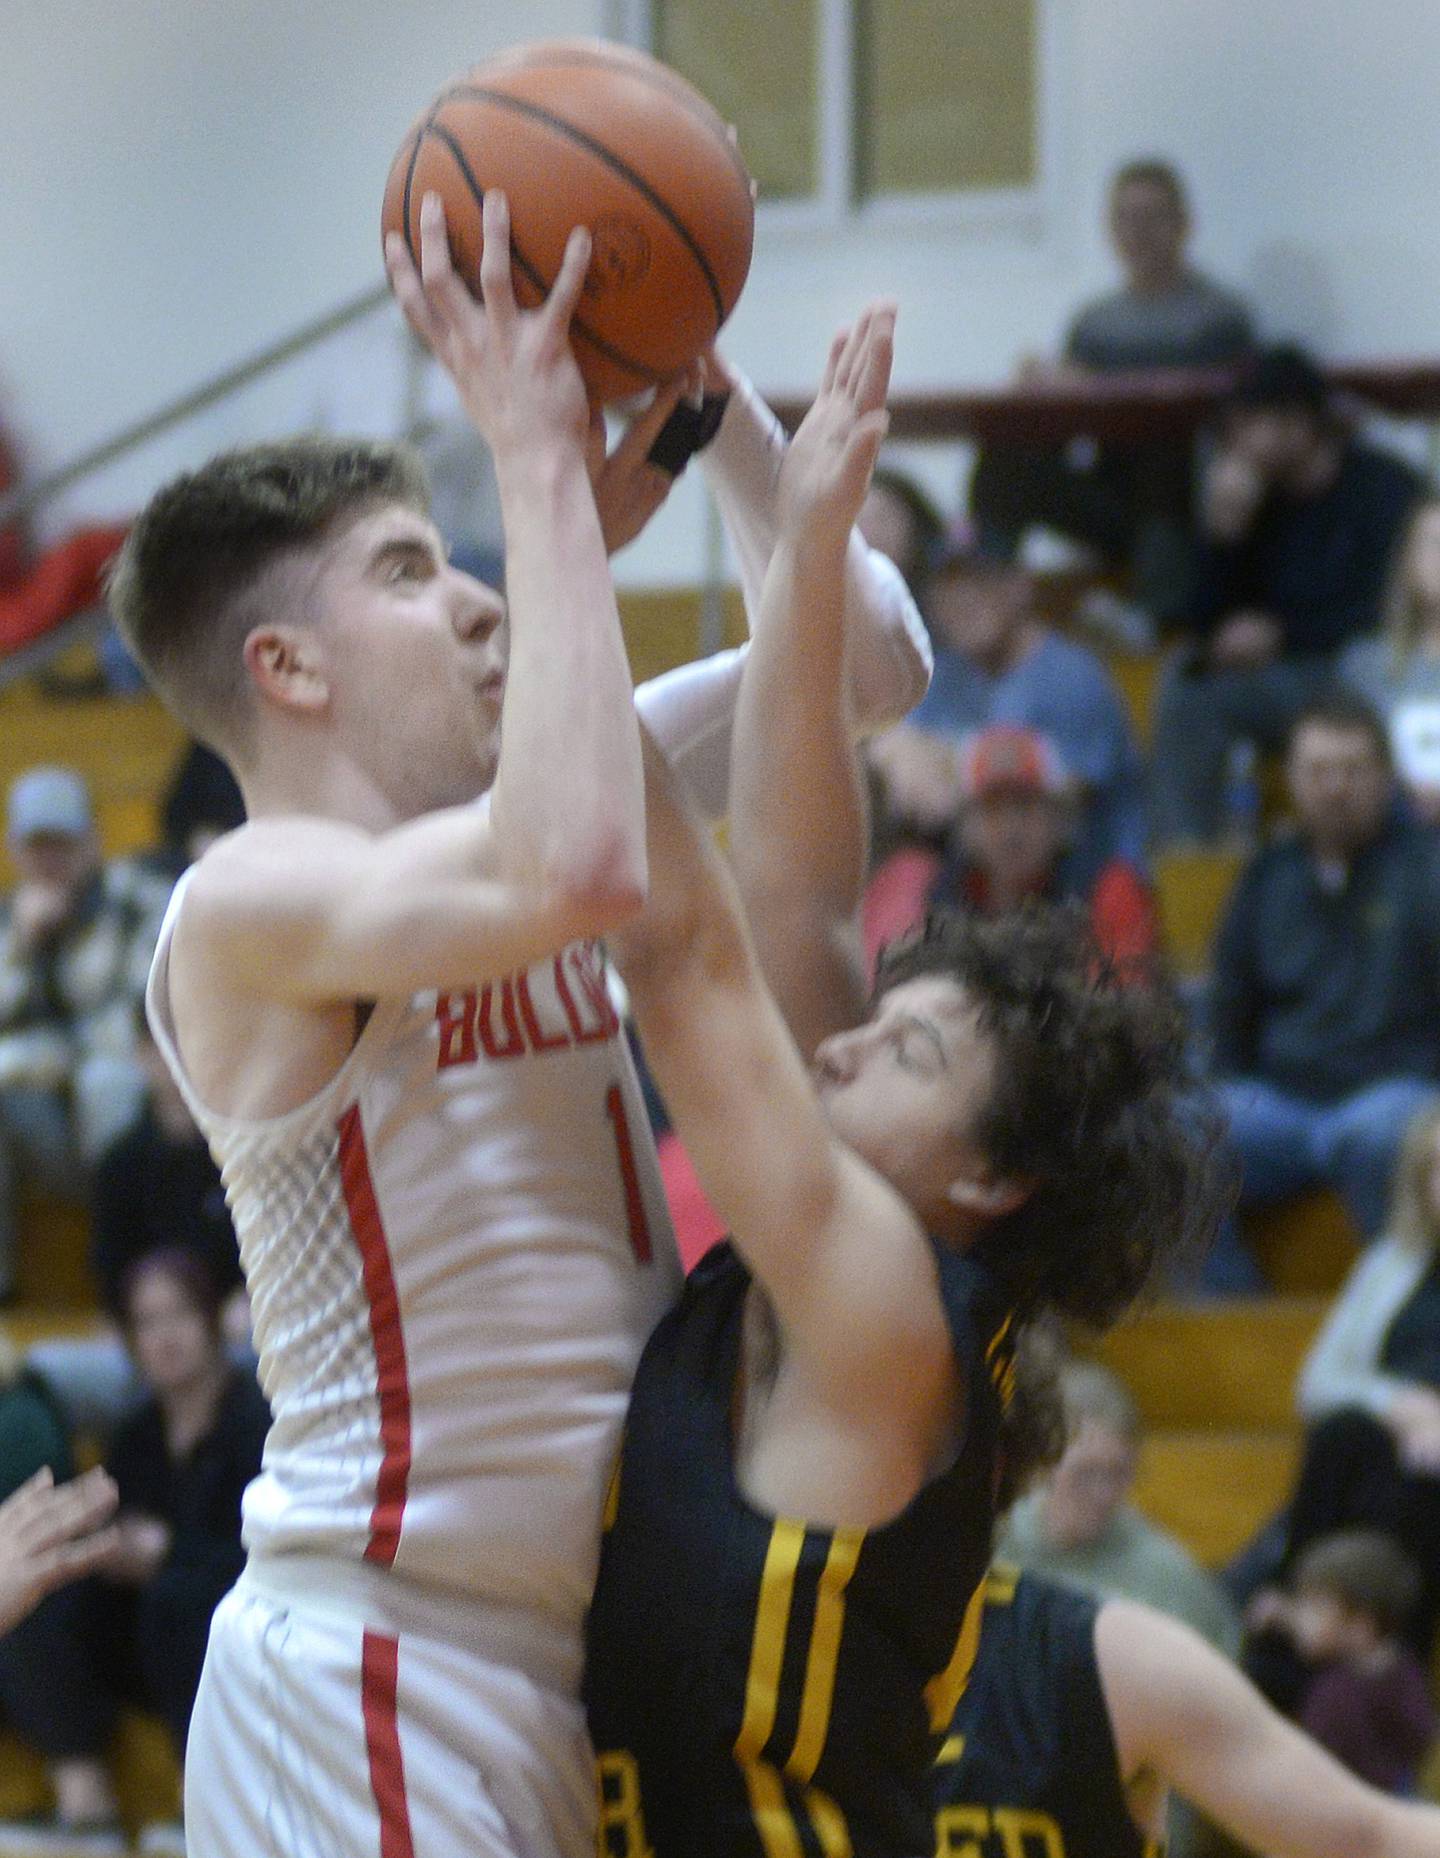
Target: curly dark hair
x=1092, y=1107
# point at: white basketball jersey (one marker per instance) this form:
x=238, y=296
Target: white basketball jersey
x=455, y=1253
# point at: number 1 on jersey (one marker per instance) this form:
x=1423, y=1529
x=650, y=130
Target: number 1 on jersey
x=629, y=1175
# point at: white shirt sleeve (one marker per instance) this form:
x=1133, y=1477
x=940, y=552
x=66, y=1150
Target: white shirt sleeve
x=1342, y=1368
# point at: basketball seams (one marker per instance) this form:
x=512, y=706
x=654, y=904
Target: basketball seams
x=415, y=148
x=538, y=113
x=680, y=90
x=647, y=376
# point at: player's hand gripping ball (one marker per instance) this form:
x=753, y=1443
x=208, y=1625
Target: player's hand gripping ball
x=583, y=132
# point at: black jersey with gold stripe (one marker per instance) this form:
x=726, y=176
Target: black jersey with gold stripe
x=758, y=1687
x=1030, y=1769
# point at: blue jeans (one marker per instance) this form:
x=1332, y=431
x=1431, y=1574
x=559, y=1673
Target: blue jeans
x=1287, y=1145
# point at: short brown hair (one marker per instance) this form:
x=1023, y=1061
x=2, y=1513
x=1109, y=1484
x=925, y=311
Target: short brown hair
x=183, y=586
x=1152, y=171
x=1365, y=1571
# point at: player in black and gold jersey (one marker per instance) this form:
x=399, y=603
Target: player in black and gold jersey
x=1082, y=1713
x=788, y=1604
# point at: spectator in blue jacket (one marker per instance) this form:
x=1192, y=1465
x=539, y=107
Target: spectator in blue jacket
x=1325, y=1011
x=997, y=661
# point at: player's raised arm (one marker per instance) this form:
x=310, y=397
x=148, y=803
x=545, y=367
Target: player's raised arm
x=320, y=908
x=1185, y=1714
x=798, y=818
x=568, y=799
x=844, y=1261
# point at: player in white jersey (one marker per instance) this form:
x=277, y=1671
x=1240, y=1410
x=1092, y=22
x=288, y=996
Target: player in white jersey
x=387, y=1008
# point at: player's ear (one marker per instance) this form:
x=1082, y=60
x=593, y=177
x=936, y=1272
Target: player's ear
x=286, y=664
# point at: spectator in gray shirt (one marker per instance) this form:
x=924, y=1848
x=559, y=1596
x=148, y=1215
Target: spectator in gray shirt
x=1130, y=503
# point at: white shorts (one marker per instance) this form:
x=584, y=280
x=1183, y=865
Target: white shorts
x=316, y=1735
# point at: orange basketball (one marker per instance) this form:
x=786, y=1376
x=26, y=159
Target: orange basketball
x=580, y=132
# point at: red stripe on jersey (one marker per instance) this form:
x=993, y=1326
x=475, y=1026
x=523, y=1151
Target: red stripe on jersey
x=379, y=1677
x=392, y=1374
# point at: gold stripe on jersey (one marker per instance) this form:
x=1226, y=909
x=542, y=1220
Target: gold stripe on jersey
x=829, y=1824
x=612, y=1500
x=1001, y=1582
x=770, y=1810
x=824, y=1654
x=951, y=1749
x=945, y=1689
x=767, y=1649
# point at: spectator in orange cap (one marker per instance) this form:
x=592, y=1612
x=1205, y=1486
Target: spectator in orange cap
x=1012, y=841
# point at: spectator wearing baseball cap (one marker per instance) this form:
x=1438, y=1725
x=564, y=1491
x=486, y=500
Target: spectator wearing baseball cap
x=997, y=661
x=1012, y=844
x=1300, y=522
x=76, y=937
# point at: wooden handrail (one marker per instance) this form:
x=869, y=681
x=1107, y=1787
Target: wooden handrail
x=1124, y=408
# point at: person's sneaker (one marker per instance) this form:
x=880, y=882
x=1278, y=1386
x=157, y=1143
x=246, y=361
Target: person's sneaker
x=162, y=1838
x=46, y=1835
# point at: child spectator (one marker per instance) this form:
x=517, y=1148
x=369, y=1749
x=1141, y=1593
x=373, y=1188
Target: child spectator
x=1367, y=1699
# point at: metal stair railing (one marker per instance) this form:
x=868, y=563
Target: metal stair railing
x=28, y=497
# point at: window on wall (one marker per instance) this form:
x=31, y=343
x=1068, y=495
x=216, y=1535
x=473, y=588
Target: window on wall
x=853, y=103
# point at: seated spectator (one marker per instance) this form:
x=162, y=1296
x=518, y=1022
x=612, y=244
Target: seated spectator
x=1131, y=503
x=1399, y=670
x=76, y=938
x=156, y=1189
x=138, y=1632
x=900, y=520
x=1369, y=1393
x=1300, y=522
x=1325, y=993
x=1078, y=1526
x=1013, y=845
x=1361, y=1691
x=996, y=661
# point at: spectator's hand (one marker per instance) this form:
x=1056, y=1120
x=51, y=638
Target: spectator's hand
x=1413, y=1417
x=1244, y=642
x=628, y=488
x=920, y=775
x=1230, y=496
x=826, y=469
x=514, y=369
x=50, y=1536
x=140, y=1547
x=38, y=913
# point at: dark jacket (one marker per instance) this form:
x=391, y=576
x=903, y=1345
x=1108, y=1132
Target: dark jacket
x=151, y=1194
x=1318, y=564
x=199, y=1495
x=1322, y=992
